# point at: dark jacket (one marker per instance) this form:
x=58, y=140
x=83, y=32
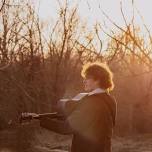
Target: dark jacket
x=91, y=122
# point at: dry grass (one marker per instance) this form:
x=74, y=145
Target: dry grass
x=47, y=141
x=136, y=143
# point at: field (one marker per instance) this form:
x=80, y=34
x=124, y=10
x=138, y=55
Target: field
x=46, y=141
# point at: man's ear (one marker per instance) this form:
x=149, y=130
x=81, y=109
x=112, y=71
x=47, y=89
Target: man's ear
x=97, y=82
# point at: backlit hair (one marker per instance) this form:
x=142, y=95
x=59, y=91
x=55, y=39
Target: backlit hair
x=101, y=72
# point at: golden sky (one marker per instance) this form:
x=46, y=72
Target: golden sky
x=89, y=9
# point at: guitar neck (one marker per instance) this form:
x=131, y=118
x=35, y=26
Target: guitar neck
x=53, y=115
x=49, y=115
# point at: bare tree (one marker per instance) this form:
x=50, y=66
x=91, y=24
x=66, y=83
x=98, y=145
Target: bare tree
x=2, y=5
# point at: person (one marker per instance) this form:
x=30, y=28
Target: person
x=90, y=119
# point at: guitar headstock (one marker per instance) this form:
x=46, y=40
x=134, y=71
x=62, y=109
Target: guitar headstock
x=26, y=117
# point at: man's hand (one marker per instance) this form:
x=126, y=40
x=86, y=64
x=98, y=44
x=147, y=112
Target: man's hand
x=28, y=116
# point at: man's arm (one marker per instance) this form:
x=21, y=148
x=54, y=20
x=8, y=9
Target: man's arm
x=58, y=126
x=61, y=126
x=67, y=107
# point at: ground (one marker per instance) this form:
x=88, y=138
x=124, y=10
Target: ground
x=46, y=141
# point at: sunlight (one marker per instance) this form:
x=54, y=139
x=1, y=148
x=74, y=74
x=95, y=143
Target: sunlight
x=44, y=47
x=91, y=10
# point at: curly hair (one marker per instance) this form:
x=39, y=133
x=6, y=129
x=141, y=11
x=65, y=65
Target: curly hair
x=101, y=72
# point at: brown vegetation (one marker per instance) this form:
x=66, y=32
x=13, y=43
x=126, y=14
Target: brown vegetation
x=37, y=70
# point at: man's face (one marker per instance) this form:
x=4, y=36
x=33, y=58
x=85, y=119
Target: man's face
x=90, y=84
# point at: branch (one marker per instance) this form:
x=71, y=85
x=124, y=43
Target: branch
x=129, y=34
x=3, y=3
x=127, y=48
x=16, y=83
x=4, y=67
x=148, y=31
